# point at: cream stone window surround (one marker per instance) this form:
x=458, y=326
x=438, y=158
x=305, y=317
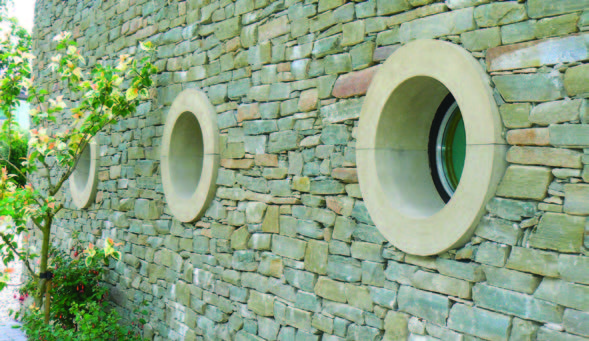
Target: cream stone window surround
x=84, y=179
x=190, y=155
x=392, y=156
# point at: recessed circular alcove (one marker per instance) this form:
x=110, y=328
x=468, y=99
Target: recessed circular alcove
x=84, y=179
x=430, y=152
x=190, y=155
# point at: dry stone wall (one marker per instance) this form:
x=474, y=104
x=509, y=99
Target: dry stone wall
x=287, y=250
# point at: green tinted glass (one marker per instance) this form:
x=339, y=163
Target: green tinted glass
x=454, y=148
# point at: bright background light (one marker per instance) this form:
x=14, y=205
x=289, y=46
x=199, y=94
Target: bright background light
x=24, y=11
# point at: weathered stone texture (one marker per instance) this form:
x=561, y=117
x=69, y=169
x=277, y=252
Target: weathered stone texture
x=288, y=249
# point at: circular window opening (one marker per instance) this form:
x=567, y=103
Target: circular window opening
x=447, y=147
x=186, y=154
x=82, y=173
x=430, y=152
x=84, y=178
x=190, y=155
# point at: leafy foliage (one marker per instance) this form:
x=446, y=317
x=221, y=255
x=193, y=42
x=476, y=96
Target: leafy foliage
x=92, y=322
x=90, y=101
x=18, y=154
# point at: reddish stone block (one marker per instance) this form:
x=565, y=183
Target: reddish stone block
x=237, y=164
x=333, y=204
x=347, y=175
x=354, y=84
x=529, y=137
x=266, y=160
x=283, y=67
x=308, y=100
x=248, y=112
x=384, y=52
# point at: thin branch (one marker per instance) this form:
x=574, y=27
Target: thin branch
x=24, y=259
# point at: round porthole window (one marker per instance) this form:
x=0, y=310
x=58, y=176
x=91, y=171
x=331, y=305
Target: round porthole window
x=447, y=147
x=84, y=179
x=190, y=155
x=429, y=151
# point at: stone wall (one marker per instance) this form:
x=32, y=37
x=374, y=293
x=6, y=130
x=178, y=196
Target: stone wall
x=287, y=250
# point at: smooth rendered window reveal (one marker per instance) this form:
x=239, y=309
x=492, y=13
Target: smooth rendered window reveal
x=430, y=152
x=190, y=155
x=84, y=179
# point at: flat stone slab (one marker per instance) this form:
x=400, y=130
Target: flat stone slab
x=537, y=53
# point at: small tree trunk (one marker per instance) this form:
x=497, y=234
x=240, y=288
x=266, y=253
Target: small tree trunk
x=44, y=284
x=47, y=300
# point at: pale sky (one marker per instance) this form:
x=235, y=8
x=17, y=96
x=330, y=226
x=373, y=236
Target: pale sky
x=24, y=11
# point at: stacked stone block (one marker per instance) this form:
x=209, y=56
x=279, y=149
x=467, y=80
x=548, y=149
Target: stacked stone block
x=287, y=250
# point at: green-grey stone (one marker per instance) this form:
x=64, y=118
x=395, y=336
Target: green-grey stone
x=300, y=279
x=468, y=271
x=386, y=7
x=366, y=9
x=543, y=8
x=525, y=182
x=327, y=46
x=449, y=23
x=362, y=55
x=499, y=230
x=443, y=284
x=538, y=87
x=517, y=304
x=309, y=229
x=566, y=294
x=368, y=233
x=261, y=304
x=344, y=269
x=569, y=135
x=576, y=199
x=384, y=297
x=533, y=261
x=344, y=227
x=574, y=268
x=367, y=251
x=334, y=134
x=345, y=311
x=316, y=256
x=307, y=301
x=557, y=26
x=359, y=297
x=482, y=323
x=559, y=232
x=480, y=40
x=512, y=209
x=322, y=323
x=147, y=209
x=326, y=187
x=372, y=273
x=429, y=306
x=228, y=29
x=288, y=247
x=330, y=289
x=575, y=80
x=577, y=322
x=523, y=330
x=240, y=238
x=338, y=63
x=511, y=280
x=516, y=115
x=283, y=141
x=556, y=112
x=499, y=14
x=518, y=32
